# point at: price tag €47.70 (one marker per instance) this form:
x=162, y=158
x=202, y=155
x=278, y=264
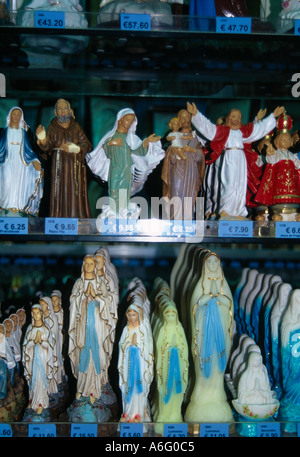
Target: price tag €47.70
x=233, y=25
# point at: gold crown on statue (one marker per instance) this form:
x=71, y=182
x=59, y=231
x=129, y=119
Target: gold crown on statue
x=284, y=123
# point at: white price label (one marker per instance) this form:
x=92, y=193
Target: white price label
x=236, y=229
x=14, y=226
x=61, y=226
x=287, y=229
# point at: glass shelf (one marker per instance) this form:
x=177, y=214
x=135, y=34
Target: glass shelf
x=146, y=230
x=112, y=430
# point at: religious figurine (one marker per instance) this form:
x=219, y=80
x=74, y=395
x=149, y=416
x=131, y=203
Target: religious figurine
x=7, y=365
x=51, y=322
x=255, y=401
x=67, y=145
x=227, y=151
x=123, y=160
x=290, y=12
x=37, y=361
x=19, y=164
x=171, y=361
x=176, y=137
x=182, y=179
x=236, y=298
x=211, y=329
x=74, y=18
x=88, y=344
x=108, y=288
x=290, y=338
x=280, y=184
x=267, y=340
x=58, y=313
x=135, y=366
x=250, y=303
x=277, y=312
x=15, y=339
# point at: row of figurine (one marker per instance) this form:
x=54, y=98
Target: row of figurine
x=237, y=168
x=267, y=320
x=168, y=371
x=110, y=9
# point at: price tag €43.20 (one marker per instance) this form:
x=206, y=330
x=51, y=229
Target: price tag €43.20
x=49, y=19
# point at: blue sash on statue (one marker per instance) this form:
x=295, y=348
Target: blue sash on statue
x=38, y=367
x=3, y=379
x=28, y=154
x=91, y=342
x=213, y=338
x=134, y=372
x=174, y=374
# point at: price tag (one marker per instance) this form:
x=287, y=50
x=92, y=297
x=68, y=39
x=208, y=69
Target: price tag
x=175, y=430
x=14, y=226
x=5, y=431
x=214, y=430
x=61, y=226
x=131, y=430
x=84, y=430
x=127, y=227
x=42, y=430
x=287, y=229
x=236, y=229
x=297, y=27
x=179, y=228
x=233, y=25
x=135, y=22
x=49, y=19
x=268, y=430
x=118, y=227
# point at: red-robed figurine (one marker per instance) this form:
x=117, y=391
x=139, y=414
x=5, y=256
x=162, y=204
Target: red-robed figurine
x=280, y=184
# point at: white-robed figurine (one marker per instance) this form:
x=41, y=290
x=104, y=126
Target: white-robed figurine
x=58, y=312
x=135, y=366
x=38, y=360
x=88, y=349
x=211, y=314
x=21, y=177
x=229, y=154
x=123, y=160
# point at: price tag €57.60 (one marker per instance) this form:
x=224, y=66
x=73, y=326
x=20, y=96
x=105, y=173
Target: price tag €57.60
x=134, y=22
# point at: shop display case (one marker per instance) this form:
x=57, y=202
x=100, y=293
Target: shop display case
x=155, y=63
